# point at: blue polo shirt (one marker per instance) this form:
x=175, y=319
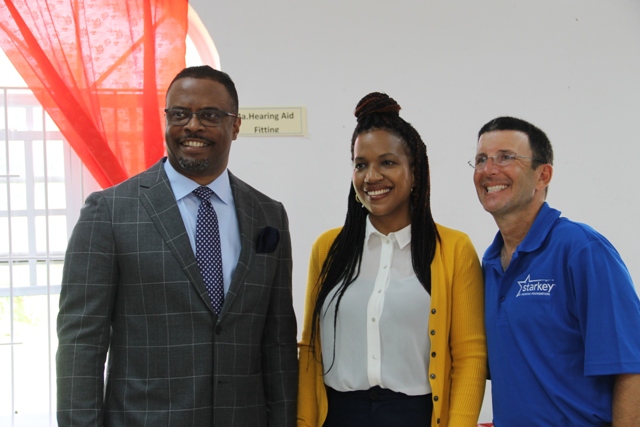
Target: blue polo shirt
x=560, y=321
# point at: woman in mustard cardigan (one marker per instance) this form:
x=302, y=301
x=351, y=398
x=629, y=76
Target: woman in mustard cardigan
x=393, y=330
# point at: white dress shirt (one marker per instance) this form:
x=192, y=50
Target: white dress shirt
x=222, y=201
x=381, y=335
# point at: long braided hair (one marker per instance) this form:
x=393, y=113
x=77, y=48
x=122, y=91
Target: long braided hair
x=378, y=111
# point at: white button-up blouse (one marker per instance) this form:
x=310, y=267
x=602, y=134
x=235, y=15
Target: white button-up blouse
x=381, y=333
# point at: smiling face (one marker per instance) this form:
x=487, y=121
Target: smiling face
x=199, y=152
x=513, y=190
x=383, y=178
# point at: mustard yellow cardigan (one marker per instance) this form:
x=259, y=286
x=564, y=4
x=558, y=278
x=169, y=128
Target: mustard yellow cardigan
x=457, y=363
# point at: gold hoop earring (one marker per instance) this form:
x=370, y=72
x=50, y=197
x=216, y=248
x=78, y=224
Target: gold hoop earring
x=358, y=199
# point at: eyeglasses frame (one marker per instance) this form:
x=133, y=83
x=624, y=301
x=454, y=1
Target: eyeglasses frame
x=493, y=158
x=197, y=113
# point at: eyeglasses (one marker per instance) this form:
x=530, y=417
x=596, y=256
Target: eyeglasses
x=208, y=117
x=501, y=159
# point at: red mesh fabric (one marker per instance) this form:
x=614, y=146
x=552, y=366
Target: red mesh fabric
x=100, y=68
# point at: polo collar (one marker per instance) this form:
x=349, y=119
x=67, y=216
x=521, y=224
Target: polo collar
x=535, y=237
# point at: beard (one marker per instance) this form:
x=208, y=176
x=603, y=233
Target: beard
x=193, y=165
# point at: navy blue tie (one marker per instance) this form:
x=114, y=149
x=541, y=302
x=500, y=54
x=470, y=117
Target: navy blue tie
x=208, y=252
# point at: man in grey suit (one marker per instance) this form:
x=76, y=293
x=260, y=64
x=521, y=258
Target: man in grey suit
x=132, y=287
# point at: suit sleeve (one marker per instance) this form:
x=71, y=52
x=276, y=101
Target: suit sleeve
x=280, y=362
x=89, y=283
x=467, y=337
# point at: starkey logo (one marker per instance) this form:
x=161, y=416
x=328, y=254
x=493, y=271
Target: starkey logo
x=530, y=287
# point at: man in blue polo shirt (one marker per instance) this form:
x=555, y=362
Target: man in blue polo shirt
x=561, y=311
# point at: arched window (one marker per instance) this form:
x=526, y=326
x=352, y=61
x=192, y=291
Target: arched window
x=200, y=47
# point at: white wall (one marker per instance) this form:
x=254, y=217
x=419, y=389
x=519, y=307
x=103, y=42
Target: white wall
x=570, y=67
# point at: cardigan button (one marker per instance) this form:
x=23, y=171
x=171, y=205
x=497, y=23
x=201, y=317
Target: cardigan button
x=433, y=311
x=438, y=421
x=433, y=332
x=432, y=376
x=435, y=398
x=433, y=354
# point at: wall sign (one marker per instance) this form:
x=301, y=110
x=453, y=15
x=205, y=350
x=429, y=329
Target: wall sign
x=273, y=121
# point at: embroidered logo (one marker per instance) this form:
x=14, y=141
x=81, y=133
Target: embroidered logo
x=535, y=287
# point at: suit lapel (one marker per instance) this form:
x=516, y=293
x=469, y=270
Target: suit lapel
x=247, y=223
x=160, y=202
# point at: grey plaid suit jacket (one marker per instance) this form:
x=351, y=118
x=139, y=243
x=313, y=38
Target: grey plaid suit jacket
x=131, y=285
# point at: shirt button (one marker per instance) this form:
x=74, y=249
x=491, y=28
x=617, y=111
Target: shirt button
x=373, y=319
x=379, y=290
x=384, y=267
x=375, y=357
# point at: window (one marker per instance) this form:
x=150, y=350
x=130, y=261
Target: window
x=42, y=188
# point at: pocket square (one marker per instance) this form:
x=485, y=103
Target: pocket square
x=267, y=240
